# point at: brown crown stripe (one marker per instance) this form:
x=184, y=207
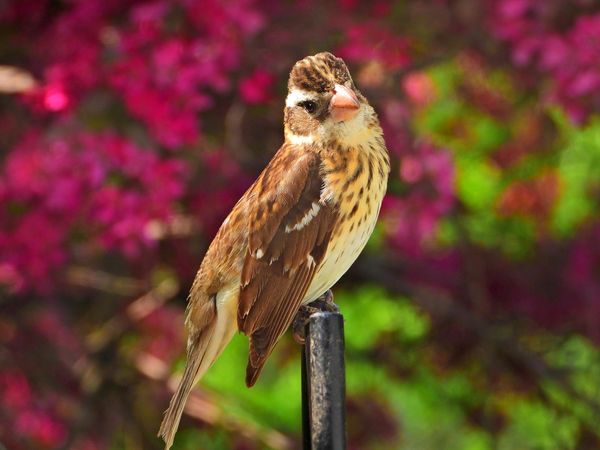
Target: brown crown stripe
x=315, y=73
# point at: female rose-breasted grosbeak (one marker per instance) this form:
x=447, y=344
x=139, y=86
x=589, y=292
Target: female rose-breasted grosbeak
x=296, y=230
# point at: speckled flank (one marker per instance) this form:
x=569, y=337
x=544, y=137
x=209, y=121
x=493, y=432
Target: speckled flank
x=357, y=180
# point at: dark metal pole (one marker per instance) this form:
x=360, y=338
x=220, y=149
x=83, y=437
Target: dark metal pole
x=306, y=445
x=324, y=383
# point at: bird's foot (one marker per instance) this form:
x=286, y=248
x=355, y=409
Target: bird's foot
x=323, y=304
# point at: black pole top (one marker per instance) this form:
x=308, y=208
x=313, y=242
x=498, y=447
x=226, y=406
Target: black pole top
x=324, y=383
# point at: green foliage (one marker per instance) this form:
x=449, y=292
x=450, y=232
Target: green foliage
x=190, y=439
x=478, y=184
x=430, y=406
x=533, y=426
x=369, y=312
x=580, y=173
x=273, y=401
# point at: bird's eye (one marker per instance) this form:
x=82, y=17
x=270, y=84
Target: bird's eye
x=309, y=105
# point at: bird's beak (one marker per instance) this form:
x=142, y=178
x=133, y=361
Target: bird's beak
x=343, y=105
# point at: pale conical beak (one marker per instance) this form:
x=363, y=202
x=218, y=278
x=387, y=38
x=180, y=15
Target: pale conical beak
x=343, y=105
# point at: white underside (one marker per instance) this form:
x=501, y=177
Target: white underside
x=339, y=258
x=225, y=327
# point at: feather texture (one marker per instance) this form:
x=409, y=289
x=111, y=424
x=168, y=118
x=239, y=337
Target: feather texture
x=291, y=235
x=295, y=231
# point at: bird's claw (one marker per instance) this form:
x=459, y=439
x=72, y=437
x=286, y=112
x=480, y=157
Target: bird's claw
x=300, y=321
x=323, y=304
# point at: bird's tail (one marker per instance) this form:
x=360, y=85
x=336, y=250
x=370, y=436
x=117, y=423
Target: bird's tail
x=203, y=349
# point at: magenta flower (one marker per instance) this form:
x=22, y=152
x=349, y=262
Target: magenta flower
x=411, y=169
x=419, y=88
x=41, y=427
x=15, y=389
x=570, y=58
x=25, y=414
x=370, y=41
x=411, y=220
x=49, y=98
x=167, y=78
x=257, y=88
x=56, y=184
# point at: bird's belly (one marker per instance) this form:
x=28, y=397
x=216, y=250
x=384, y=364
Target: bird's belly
x=342, y=251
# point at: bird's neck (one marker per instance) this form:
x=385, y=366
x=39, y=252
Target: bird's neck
x=363, y=131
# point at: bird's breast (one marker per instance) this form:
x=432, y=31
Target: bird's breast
x=356, y=182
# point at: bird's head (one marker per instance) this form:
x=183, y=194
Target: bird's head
x=324, y=105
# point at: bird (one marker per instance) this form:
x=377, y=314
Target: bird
x=295, y=231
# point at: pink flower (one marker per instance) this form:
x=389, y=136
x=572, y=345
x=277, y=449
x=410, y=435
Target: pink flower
x=411, y=220
x=55, y=98
x=51, y=97
x=411, y=169
x=419, y=87
x=15, y=390
x=11, y=278
x=159, y=337
x=59, y=183
x=369, y=41
x=257, y=88
x=569, y=58
x=41, y=427
x=167, y=77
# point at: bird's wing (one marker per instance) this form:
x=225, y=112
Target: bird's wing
x=289, y=228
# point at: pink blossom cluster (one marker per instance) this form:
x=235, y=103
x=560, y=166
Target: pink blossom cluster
x=411, y=219
x=69, y=70
x=412, y=211
x=160, y=61
x=257, y=88
x=80, y=188
x=164, y=61
x=571, y=57
x=368, y=42
x=158, y=335
x=26, y=418
x=573, y=60
x=40, y=381
x=170, y=57
x=581, y=276
x=524, y=25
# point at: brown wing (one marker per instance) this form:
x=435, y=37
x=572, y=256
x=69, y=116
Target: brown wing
x=290, y=227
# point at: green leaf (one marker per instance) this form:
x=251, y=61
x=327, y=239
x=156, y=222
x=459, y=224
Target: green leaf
x=579, y=169
x=478, y=183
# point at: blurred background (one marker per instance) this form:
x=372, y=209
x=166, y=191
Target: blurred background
x=129, y=128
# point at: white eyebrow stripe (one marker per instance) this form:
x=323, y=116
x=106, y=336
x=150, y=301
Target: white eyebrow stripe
x=296, y=96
